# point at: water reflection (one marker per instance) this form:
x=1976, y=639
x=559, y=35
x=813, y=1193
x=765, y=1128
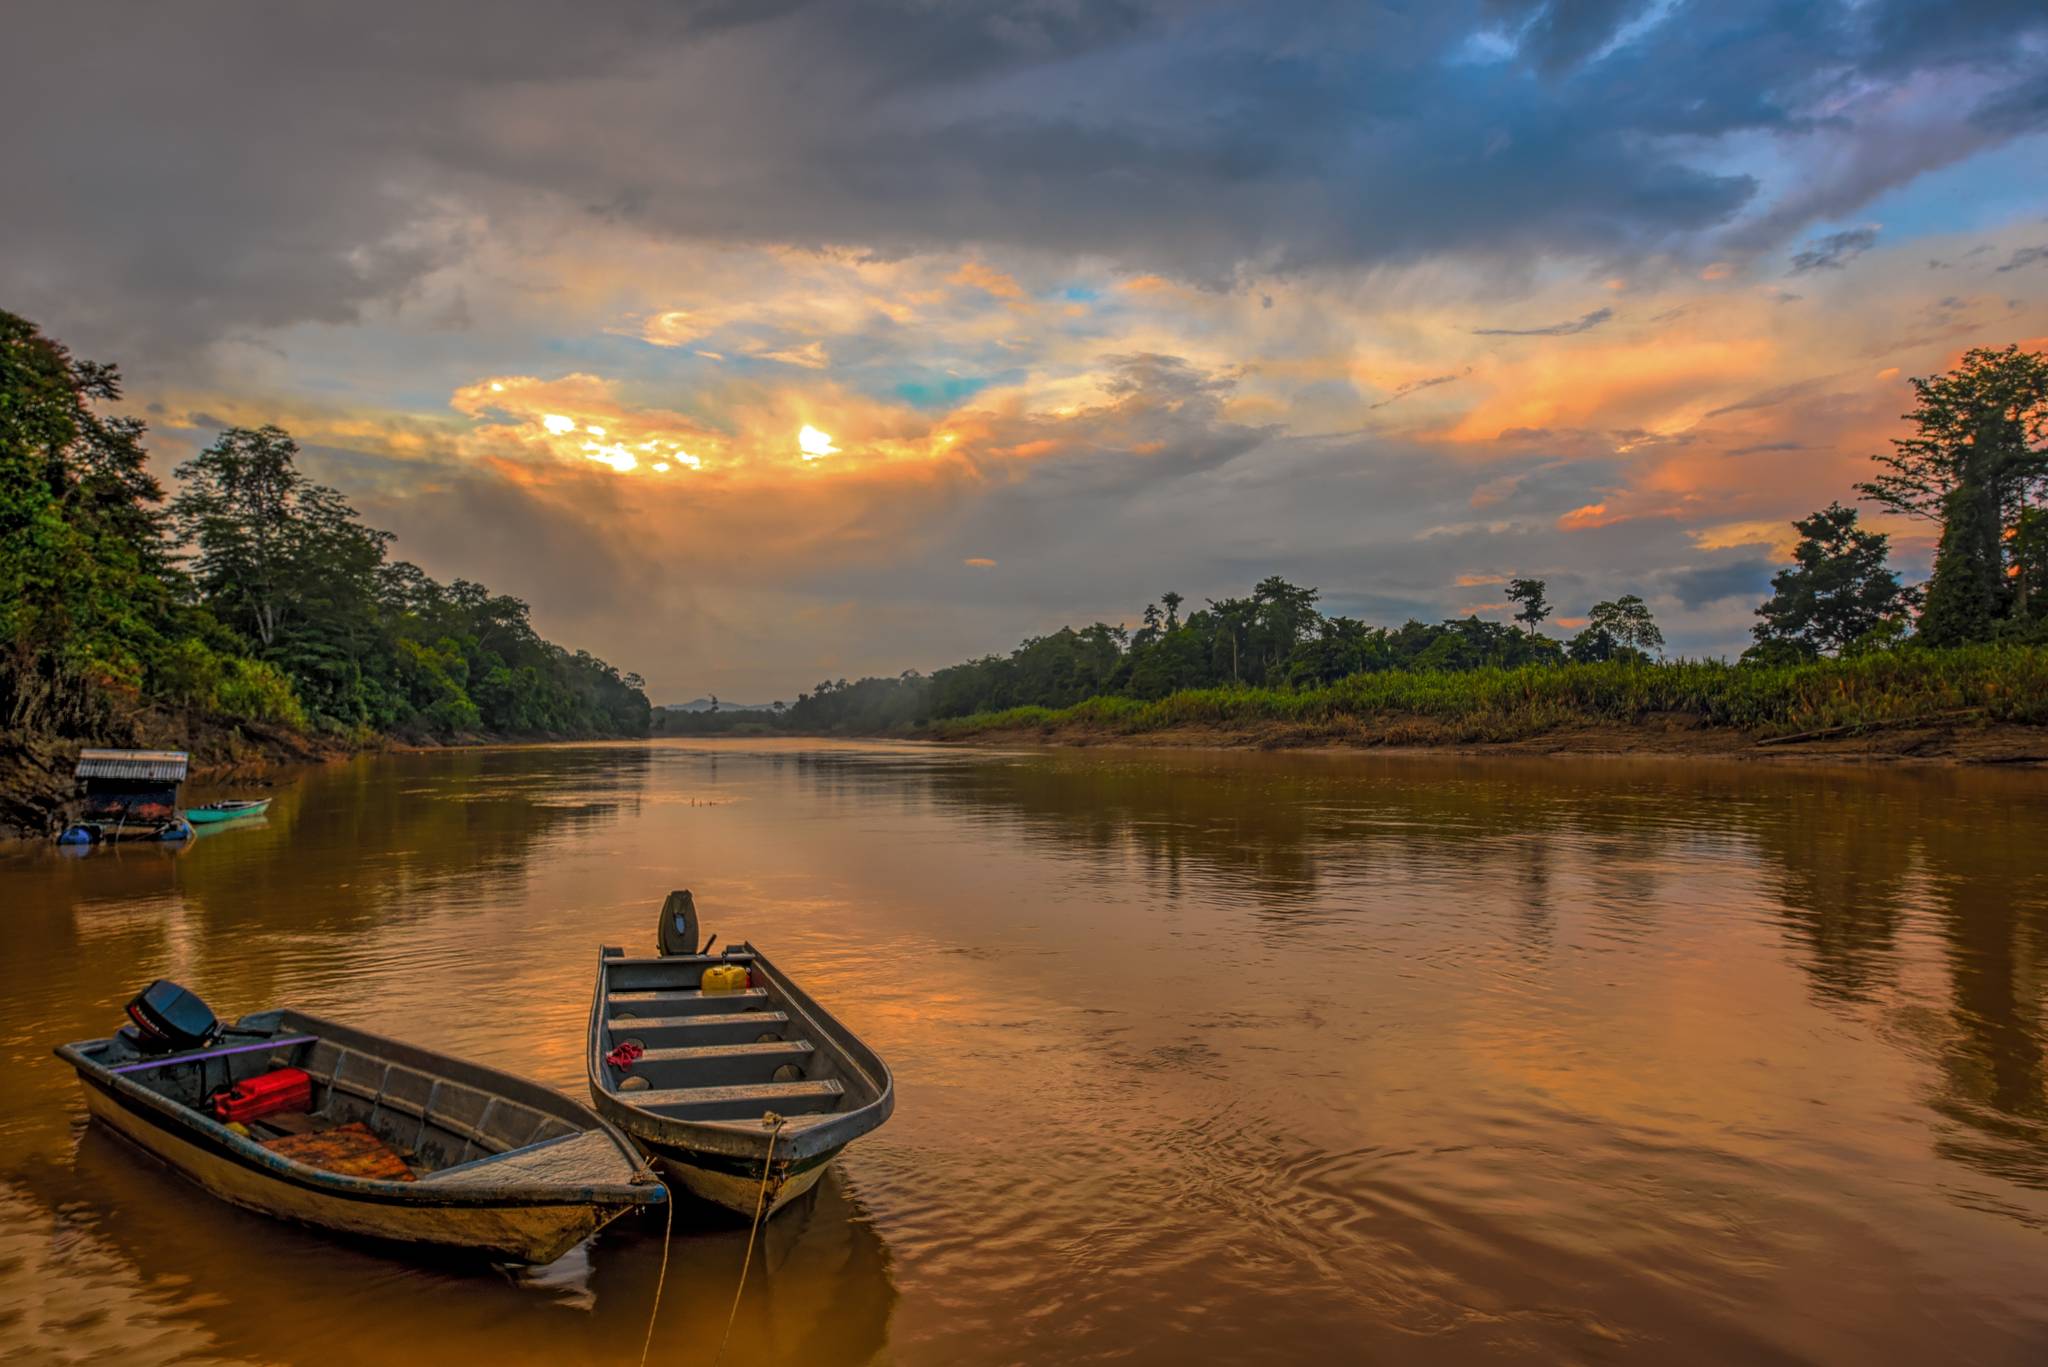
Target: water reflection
x=1846, y=859
x=197, y=1271
x=1237, y=1056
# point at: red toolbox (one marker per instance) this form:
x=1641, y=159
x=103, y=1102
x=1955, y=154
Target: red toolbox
x=280, y=1089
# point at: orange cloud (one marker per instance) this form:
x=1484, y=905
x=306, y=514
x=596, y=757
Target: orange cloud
x=980, y=562
x=1581, y=519
x=987, y=279
x=1473, y=581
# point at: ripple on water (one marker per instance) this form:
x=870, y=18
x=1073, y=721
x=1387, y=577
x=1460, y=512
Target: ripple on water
x=1204, y=1056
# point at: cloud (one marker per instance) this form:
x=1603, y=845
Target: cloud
x=1585, y=323
x=1834, y=251
x=2024, y=256
x=1697, y=586
x=1106, y=294
x=242, y=175
x=1408, y=387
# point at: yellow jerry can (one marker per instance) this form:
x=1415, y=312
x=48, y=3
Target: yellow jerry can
x=723, y=978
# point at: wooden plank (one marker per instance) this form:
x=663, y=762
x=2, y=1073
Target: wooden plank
x=352, y=1150
x=683, y=1002
x=738, y=1103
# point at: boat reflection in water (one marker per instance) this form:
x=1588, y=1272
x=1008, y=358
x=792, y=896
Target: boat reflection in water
x=228, y=1283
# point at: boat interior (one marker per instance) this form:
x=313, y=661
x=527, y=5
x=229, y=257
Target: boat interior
x=369, y=1116
x=720, y=1055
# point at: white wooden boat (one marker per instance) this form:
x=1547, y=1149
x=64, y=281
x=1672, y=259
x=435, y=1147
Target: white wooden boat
x=723, y=1079
x=477, y=1162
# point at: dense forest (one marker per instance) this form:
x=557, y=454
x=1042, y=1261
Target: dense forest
x=251, y=598
x=1975, y=464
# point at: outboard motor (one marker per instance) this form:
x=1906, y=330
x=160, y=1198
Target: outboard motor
x=168, y=1017
x=678, y=932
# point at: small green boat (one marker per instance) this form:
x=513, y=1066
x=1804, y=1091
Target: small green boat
x=225, y=811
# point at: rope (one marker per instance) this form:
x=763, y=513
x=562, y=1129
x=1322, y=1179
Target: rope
x=774, y=1124
x=668, y=1224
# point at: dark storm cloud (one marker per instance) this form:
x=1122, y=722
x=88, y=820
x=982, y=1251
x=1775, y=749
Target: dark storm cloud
x=1583, y=324
x=1833, y=252
x=240, y=168
x=1697, y=586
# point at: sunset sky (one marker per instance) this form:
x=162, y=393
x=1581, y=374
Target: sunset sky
x=760, y=342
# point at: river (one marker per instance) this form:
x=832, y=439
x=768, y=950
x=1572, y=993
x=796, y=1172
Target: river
x=1225, y=1056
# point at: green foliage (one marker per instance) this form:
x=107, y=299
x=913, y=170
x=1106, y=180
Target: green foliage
x=1273, y=639
x=84, y=590
x=1627, y=622
x=1838, y=592
x=251, y=690
x=2007, y=683
x=1977, y=461
x=289, y=614
x=1535, y=607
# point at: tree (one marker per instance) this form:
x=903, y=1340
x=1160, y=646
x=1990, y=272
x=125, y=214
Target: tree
x=1628, y=621
x=238, y=506
x=1977, y=460
x=1173, y=602
x=1839, y=589
x=87, y=592
x=1529, y=593
x=1231, y=624
x=1285, y=615
x=2029, y=548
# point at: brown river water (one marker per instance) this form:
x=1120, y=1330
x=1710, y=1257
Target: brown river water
x=1199, y=1056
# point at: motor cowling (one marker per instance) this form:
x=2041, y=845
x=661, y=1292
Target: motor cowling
x=678, y=931
x=169, y=1017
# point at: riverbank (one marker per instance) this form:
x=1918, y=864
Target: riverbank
x=1664, y=737
x=1986, y=704
x=36, y=771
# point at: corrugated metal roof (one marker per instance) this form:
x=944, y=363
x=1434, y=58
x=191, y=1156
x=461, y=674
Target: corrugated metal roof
x=168, y=765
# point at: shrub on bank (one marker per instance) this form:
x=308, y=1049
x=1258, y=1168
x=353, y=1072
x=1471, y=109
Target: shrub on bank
x=1999, y=682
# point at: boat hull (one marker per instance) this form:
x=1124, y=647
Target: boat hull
x=721, y=1153
x=213, y=816
x=716, y=1180
x=526, y=1232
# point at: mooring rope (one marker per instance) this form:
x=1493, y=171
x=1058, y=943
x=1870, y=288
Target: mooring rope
x=668, y=1225
x=774, y=1124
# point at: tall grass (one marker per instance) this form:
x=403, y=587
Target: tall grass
x=2000, y=682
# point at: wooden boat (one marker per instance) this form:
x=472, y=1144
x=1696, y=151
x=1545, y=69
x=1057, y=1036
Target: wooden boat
x=225, y=811
x=400, y=1145
x=718, y=1074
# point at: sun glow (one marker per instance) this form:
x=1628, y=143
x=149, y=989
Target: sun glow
x=614, y=455
x=815, y=443
x=558, y=424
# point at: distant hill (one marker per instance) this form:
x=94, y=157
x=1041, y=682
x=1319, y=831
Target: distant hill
x=704, y=705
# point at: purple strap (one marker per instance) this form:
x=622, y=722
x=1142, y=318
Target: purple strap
x=215, y=1053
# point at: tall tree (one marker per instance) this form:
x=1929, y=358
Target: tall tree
x=1173, y=602
x=85, y=584
x=1628, y=621
x=1838, y=591
x=1977, y=459
x=239, y=507
x=2030, y=565
x=1535, y=607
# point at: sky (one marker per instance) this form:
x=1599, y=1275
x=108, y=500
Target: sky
x=755, y=342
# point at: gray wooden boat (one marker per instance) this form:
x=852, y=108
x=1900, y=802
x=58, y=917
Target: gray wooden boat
x=718, y=1074
x=476, y=1162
